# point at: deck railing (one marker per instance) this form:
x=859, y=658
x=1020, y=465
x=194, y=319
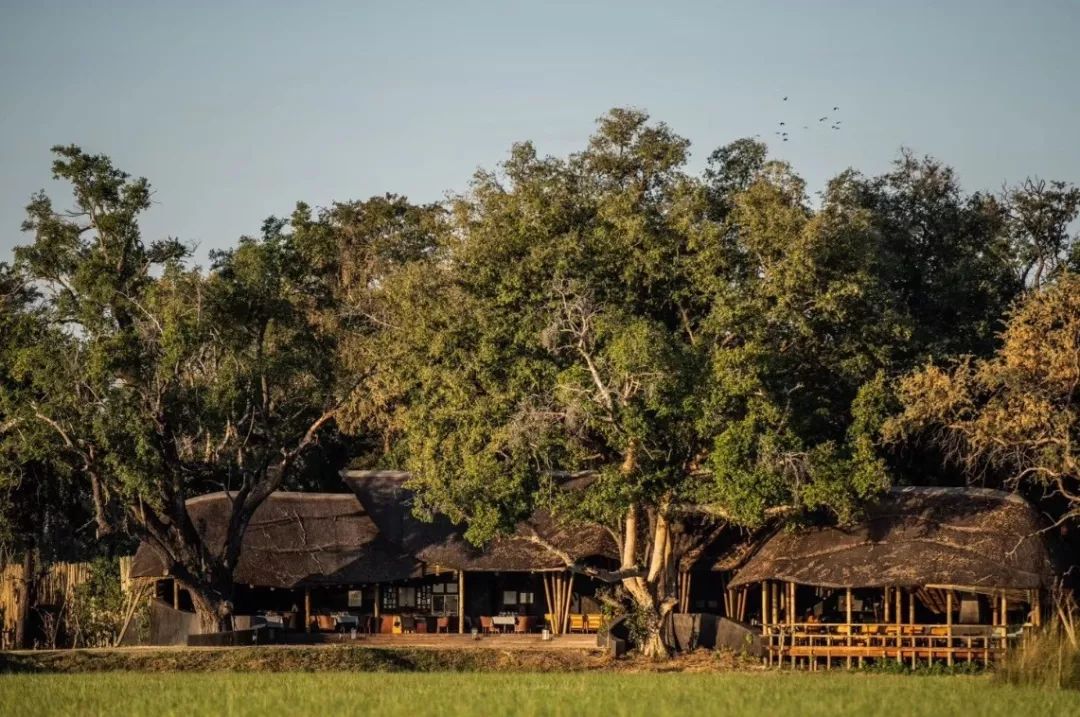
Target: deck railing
x=821, y=644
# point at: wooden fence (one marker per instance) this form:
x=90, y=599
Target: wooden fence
x=53, y=585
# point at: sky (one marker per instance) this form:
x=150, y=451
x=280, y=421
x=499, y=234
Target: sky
x=237, y=110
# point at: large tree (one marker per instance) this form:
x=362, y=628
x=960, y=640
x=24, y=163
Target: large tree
x=708, y=347
x=163, y=381
x=1016, y=413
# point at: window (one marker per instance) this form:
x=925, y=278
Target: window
x=356, y=598
x=406, y=597
x=525, y=598
x=510, y=597
x=445, y=604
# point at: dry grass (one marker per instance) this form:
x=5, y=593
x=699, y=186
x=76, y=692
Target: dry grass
x=1050, y=656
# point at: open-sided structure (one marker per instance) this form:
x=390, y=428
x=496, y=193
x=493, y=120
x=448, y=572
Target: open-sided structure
x=929, y=574
x=322, y=561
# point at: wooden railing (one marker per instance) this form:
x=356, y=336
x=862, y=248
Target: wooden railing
x=821, y=644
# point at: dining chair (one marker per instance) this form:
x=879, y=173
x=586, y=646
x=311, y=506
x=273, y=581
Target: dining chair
x=486, y=625
x=408, y=623
x=577, y=622
x=442, y=624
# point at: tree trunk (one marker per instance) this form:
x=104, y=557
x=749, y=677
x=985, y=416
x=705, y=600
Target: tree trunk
x=212, y=608
x=652, y=640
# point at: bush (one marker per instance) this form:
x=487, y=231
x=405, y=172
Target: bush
x=98, y=606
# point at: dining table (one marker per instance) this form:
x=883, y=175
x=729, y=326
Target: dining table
x=504, y=622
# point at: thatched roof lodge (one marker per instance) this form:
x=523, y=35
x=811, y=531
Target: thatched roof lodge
x=366, y=552
x=928, y=573
x=539, y=543
x=977, y=539
x=296, y=540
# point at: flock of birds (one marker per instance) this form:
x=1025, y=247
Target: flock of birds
x=782, y=131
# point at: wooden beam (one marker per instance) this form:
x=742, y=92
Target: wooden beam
x=899, y=624
x=548, y=609
x=175, y=594
x=569, y=602
x=847, y=600
x=948, y=623
x=461, y=602
x=307, y=609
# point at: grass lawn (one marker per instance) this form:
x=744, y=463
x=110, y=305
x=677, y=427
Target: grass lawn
x=448, y=694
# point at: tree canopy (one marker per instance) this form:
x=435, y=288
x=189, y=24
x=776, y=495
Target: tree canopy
x=711, y=348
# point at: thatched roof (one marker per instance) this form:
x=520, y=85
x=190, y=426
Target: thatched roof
x=962, y=537
x=296, y=539
x=440, y=543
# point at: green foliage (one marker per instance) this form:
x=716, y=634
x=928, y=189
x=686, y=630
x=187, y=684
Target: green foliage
x=1016, y=410
x=729, y=341
x=97, y=610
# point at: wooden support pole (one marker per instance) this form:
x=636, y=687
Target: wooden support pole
x=547, y=601
x=765, y=621
x=1036, y=608
x=175, y=594
x=847, y=600
x=899, y=624
x=792, y=619
x=569, y=601
x=948, y=624
x=461, y=602
x=307, y=609
x=885, y=605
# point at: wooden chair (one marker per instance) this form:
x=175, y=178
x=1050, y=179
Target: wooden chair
x=326, y=623
x=577, y=622
x=442, y=624
x=523, y=624
x=408, y=623
x=486, y=625
x=594, y=621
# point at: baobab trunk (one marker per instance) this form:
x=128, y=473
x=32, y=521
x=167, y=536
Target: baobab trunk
x=212, y=608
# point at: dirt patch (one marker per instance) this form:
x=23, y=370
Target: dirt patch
x=332, y=658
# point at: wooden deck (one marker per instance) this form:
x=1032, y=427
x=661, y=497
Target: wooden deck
x=815, y=645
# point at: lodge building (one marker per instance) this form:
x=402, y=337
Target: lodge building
x=945, y=574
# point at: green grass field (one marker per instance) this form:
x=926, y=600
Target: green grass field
x=449, y=694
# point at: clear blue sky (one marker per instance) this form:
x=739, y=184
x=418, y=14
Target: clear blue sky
x=238, y=111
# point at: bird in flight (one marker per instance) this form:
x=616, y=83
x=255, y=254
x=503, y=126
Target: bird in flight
x=822, y=119
x=785, y=98
x=834, y=109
